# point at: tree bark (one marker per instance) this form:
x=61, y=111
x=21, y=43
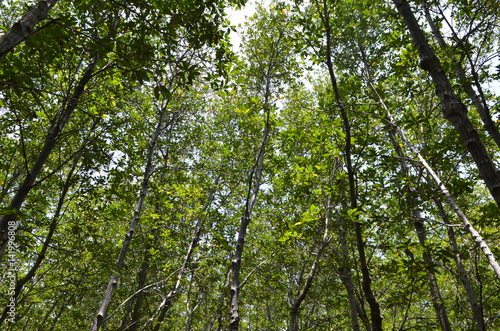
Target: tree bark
x=148, y=171
x=435, y=293
x=252, y=193
x=253, y=190
x=167, y=302
x=375, y=313
x=25, y=27
x=346, y=278
x=132, y=323
x=437, y=300
x=293, y=324
x=473, y=232
x=218, y=312
x=52, y=228
x=55, y=130
x=452, y=108
x=476, y=308
x=481, y=107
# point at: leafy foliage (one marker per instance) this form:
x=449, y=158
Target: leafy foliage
x=151, y=59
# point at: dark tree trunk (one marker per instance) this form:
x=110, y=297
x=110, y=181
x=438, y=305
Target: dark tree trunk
x=55, y=130
x=453, y=109
x=25, y=27
x=167, y=302
x=218, y=312
x=52, y=228
x=375, y=313
x=132, y=323
x=293, y=324
x=346, y=278
x=412, y=199
x=253, y=190
x=437, y=300
x=481, y=105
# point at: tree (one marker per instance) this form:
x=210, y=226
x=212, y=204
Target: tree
x=25, y=27
x=150, y=178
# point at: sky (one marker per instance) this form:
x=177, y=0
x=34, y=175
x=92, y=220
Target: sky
x=239, y=17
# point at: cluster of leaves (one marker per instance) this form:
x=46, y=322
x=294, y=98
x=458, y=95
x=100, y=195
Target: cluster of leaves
x=169, y=127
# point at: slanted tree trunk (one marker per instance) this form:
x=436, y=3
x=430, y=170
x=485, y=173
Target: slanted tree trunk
x=58, y=123
x=218, y=312
x=132, y=323
x=480, y=105
x=25, y=27
x=452, y=108
x=167, y=301
x=355, y=309
x=435, y=293
x=293, y=324
x=476, y=308
x=52, y=228
x=254, y=180
x=473, y=232
x=148, y=171
x=437, y=300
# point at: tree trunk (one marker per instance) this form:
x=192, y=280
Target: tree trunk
x=253, y=190
x=148, y=171
x=474, y=234
x=218, y=312
x=132, y=324
x=437, y=300
x=477, y=311
x=453, y=109
x=346, y=277
x=55, y=130
x=476, y=308
x=25, y=27
x=375, y=314
x=482, y=107
x=167, y=302
x=52, y=228
x=293, y=324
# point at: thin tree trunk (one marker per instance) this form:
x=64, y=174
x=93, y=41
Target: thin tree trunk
x=136, y=313
x=437, y=300
x=133, y=323
x=58, y=123
x=375, y=314
x=51, y=139
x=293, y=324
x=435, y=293
x=218, y=312
x=167, y=302
x=52, y=228
x=355, y=308
x=476, y=308
x=253, y=190
x=25, y=27
x=148, y=171
x=453, y=109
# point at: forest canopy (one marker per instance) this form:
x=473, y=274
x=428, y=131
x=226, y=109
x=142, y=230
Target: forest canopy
x=338, y=170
